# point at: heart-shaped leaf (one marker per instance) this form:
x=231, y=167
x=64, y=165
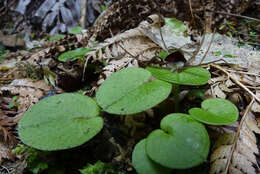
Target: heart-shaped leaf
x=215, y=111
x=130, y=91
x=182, y=142
x=188, y=76
x=60, y=122
x=74, y=54
x=143, y=164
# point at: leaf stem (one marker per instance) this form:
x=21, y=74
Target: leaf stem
x=176, y=91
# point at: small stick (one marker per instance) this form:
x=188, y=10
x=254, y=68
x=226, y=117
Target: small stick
x=211, y=41
x=160, y=29
x=235, y=15
x=237, y=82
x=191, y=11
x=237, y=135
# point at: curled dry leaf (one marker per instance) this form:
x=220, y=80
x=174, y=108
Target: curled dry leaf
x=243, y=159
x=127, y=49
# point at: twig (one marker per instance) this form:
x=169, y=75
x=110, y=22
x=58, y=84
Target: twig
x=160, y=29
x=249, y=43
x=241, y=72
x=84, y=69
x=197, y=51
x=191, y=11
x=235, y=15
x=127, y=51
x=211, y=41
x=237, y=135
x=237, y=82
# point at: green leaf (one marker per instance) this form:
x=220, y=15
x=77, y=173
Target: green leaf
x=222, y=27
x=229, y=56
x=130, y=91
x=218, y=53
x=57, y=37
x=74, y=55
x=252, y=33
x=143, y=164
x=229, y=34
x=176, y=25
x=188, y=76
x=103, y=8
x=60, y=122
x=215, y=111
x=231, y=28
x=163, y=54
x=75, y=30
x=181, y=143
x=39, y=167
x=11, y=105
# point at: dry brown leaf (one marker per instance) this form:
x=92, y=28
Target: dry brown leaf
x=29, y=92
x=243, y=159
x=256, y=105
x=219, y=92
x=5, y=153
x=127, y=49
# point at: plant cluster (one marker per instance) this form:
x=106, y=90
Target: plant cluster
x=68, y=120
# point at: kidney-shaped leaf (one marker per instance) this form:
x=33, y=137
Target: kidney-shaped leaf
x=143, y=164
x=188, y=76
x=131, y=91
x=182, y=142
x=60, y=122
x=215, y=111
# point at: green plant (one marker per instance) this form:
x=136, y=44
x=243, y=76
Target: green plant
x=32, y=157
x=176, y=25
x=76, y=54
x=99, y=168
x=60, y=122
x=143, y=164
x=103, y=8
x=228, y=27
x=3, y=52
x=215, y=111
x=188, y=76
x=130, y=91
x=75, y=30
x=14, y=102
x=163, y=55
x=182, y=140
x=56, y=37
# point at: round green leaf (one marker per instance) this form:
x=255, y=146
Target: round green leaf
x=60, y=122
x=130, y=91
x=182, y=142
x=143, y=164
x=74, y=54
x=188, y=76
x=215, y=111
